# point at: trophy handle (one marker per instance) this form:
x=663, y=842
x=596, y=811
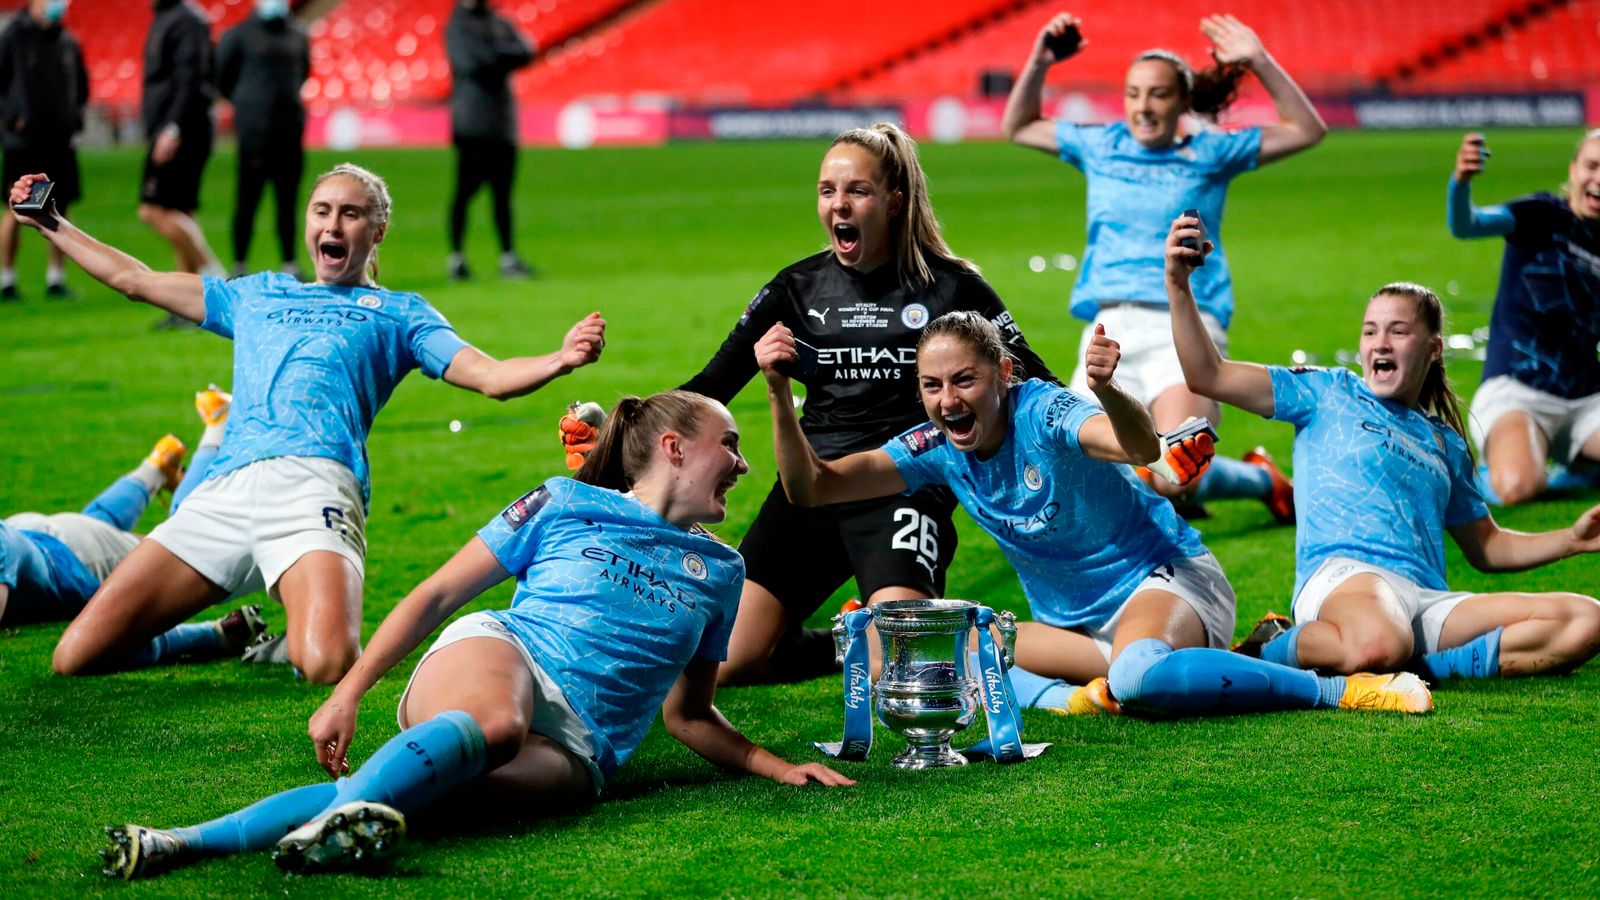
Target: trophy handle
x=841, y=639
x=1005, y=622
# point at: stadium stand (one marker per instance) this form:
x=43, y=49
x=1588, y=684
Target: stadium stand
x=378, y=53
x=1549, y=45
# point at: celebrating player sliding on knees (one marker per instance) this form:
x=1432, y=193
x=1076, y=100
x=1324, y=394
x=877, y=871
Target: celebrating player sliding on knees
x=1384, y=472
x=313, y=364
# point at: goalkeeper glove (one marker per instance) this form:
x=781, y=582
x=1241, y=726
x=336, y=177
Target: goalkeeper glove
x=579, y=429
x=1186, y=452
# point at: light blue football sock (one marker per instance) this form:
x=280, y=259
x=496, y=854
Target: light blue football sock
x=1151, y=676
x=201, y=640
x=418, y=764
x=1477, y=658
x=261, y=824
x=199, y=462
x=1283, y=649
x=1036, y=691
x=121, y=504
x=1229, y=478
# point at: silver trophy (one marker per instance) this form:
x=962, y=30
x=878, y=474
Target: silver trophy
x=927, y=691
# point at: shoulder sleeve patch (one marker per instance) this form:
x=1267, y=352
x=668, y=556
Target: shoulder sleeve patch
x=521, y=512
x=922, y=439
x=754, y=302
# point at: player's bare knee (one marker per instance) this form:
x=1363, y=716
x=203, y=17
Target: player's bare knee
x=325, y=667
x=503, y=733
x=67, y=661
x=1514, y=486
x=1377, y=653
x=1580, y=639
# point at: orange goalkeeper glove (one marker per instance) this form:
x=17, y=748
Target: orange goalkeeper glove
x=1186, y=452
x=579, y=429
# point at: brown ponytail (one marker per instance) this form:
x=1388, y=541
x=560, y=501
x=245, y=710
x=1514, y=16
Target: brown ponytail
x=1208, y=93
x=626, y=442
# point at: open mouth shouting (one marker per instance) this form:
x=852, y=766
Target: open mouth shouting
x=333, y=253
x=960, y=427
x=1383, y=369
x=846, y=239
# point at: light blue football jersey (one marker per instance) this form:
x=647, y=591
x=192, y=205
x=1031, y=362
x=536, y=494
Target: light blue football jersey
x=313, y=364
x=43, y=575
x=1375, y=480
x=613, y=601
x=1134, y=194
x=1081, y=533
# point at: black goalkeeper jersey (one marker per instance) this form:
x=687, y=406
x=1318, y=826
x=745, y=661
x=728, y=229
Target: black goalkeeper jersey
x=865, y=328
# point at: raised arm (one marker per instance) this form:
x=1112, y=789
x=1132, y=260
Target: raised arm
x=473, y=570
x=176, y=292
x=1023, y=121
x=1298, y=126
x=807, y=479
x=502, y=379
x=1205, y=371
x=1466, y=220
x=1126, y=433
x=1490, y=548
x=690, y=716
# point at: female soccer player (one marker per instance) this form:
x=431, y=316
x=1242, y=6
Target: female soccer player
x=1142, y=172
x=861, y=303
x=284, y=504
x=1384, y=471
x=1124, y=595
x=1540, y=396
x=623, y=605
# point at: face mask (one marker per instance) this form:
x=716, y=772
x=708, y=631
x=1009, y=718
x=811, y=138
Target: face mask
x=272, y=9
x=54, y=10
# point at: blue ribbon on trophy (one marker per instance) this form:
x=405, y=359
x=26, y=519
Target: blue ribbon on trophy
x=927, y=690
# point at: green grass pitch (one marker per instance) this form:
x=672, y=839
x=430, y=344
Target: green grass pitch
x=1493, y=794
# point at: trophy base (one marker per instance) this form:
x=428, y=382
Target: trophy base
x=934, y=756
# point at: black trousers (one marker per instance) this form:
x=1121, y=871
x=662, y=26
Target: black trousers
x=480, y=161
x=283, y=166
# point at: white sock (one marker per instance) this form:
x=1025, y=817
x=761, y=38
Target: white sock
x=8, y=277
x=54, y=274
x=214, y=269
x=455, y=259
x=148, y=475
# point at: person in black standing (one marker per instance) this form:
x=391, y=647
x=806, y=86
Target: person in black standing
x=484, y=50
x=44, y=88
x=261, y=64
x=176, y=109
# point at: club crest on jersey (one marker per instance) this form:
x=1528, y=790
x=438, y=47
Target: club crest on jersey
x=923, y=439
x=370, y=301
x=915, y=315
x=695, y=566
x=519, y=513
x=1031, y=477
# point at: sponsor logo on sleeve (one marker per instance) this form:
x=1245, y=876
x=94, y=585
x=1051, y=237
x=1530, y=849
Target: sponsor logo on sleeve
x=519, y=513
x=923, y=439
